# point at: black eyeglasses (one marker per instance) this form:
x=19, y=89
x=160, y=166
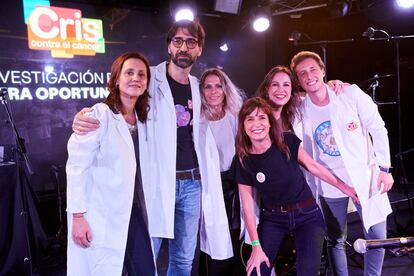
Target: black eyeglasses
x=190, y=42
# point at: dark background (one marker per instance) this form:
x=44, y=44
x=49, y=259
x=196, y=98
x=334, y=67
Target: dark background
x=141, y=26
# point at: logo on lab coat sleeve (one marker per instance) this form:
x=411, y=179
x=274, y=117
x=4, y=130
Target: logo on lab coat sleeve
x=352, y=126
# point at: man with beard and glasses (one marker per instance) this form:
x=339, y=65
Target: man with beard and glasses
x=179, y=151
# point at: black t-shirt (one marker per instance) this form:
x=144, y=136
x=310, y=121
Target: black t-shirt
x=186, y=155
x=139, y=198
x=279, y=180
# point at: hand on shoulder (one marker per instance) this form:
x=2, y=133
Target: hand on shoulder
x=83, y=123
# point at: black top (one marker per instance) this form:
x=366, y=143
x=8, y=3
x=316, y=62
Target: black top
x=279, y=180
x=138, y=192
x=138, y=198
x=186, y=155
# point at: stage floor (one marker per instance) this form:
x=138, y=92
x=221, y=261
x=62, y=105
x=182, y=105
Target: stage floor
x=398, y=225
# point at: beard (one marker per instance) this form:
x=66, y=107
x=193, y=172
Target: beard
x=183, y=60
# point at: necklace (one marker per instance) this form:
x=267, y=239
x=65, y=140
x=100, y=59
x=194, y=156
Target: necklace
x=131, y=118
x=132, y=128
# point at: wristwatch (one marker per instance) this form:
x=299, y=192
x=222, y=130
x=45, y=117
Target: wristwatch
x=384, y=169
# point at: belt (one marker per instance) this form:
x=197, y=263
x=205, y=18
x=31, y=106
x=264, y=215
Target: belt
x=193, y=174
x=290, y=207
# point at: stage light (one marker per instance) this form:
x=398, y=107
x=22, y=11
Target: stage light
x=184, y=14
x=224, y=47
x=49, y=69
x=261, y=24
x=183, y=10
x=405, y=4
x=260, y=19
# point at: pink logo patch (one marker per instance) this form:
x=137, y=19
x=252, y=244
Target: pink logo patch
x=190, y=104
x=352, y=126
x=183, y=116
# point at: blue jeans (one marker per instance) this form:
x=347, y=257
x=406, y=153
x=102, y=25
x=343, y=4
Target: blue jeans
x=186, y=223
x=307, y=227
x=335, y=211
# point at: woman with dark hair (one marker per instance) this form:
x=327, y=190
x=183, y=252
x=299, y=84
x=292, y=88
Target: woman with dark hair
x=107, y=218
x=283, y=94
x=269, y=160
x=281, y=89
x=221, y=101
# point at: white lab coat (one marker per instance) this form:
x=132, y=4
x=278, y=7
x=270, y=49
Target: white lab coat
x=159, y=185
x=100, y=181
x=361, y=156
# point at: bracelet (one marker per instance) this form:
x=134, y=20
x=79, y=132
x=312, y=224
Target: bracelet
x=77, y=215
x=255, y=243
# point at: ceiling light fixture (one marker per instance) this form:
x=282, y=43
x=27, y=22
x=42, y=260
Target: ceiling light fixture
x=261, y=19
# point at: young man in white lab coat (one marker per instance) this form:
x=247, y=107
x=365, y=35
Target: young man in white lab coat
x=347, y=134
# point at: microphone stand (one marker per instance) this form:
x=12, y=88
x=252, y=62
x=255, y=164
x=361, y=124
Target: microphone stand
x=20, y=157
x=399, y=167
x=55, y=170
x=374, y=86
x=396, y=40
x=323, y=44
x=21, y=149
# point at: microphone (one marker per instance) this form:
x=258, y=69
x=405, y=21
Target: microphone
x=375, y=84
x=361, y=245
x=369, y=32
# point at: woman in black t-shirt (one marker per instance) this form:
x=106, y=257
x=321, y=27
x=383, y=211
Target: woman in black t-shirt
x=269, y=161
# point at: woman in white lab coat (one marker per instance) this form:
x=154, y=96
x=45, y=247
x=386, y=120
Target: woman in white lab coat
x=108, y=233
x=221, y=101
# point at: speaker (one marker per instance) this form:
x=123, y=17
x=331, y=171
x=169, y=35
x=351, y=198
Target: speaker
x=228, y=6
